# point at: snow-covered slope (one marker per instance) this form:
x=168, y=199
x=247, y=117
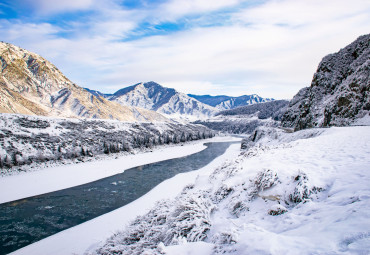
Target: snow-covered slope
x=27, y=140
x=244, y=119
x=29, y=84
x=168, y=101
x=227, y=102
x=292, y=193
x=339, y=93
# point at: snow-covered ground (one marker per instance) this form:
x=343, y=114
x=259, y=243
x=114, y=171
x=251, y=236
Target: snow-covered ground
x=306, y=192
x=65, y=176
x=89, y=235
x=285, y=195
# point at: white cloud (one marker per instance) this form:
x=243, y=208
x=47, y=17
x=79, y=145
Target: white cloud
x=271, y=49
x=296, y=13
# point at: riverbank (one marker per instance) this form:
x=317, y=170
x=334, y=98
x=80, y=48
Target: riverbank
x=305, y=192
x=90, y=234
x=65, y=176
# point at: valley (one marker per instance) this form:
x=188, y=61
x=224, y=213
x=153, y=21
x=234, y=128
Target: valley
x=148, y=169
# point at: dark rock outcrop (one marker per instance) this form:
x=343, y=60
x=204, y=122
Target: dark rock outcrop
x=339, y=94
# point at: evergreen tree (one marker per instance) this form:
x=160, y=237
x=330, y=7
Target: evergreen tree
x=14, y=159
x=83, y=153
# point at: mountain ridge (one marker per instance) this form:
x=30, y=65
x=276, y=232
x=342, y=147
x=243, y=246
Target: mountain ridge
x=153, y=96
x=30, y=84
x=339, y=94
x=223, y=102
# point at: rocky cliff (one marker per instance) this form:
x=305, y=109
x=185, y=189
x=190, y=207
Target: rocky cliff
x=339, y=94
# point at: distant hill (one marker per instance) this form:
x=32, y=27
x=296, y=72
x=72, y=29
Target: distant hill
x=339, y=94
x=245, y=119
x=29, y=84
x=274, y=109
x=153, y=96
x=226, y=102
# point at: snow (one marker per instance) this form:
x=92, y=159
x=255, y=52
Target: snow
x=194, y=248
x=301, y=193
x=291, y=193
x=88, y=235
x=56, y=178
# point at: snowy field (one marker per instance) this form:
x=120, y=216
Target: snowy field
x=90, y=234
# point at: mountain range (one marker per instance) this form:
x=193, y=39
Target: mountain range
x=29, y=84
x=226, y=102
x=168, y=101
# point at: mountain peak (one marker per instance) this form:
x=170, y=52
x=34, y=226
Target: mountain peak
x=153, y=96
x=29, y=84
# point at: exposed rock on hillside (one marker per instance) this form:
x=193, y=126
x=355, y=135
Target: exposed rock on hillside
x=153, y=96
x=29, y=84
x=339, y=94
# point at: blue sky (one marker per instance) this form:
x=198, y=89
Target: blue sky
x=234, y=47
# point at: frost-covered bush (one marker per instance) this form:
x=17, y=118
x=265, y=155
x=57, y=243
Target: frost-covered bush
x=187, y=217
x=277, y=209
x=265, y=179
x=191, y=218
x=302, y=190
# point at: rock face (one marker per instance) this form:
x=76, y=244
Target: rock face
x=339, y=94
x=29, y=84
x=227, y=102
x=168, y=101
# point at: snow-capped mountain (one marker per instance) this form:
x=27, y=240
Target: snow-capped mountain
x=226, y=102
x=152, y=96
x=339, y=93
x=29, y=84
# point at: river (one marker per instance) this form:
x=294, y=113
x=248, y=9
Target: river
x=28, y=220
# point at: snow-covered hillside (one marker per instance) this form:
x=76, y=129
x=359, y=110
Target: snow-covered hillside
x=291, y=193
x=237, y=124
x=245, y=119
x=29, y=139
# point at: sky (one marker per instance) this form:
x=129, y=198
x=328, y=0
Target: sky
x=232, y=47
